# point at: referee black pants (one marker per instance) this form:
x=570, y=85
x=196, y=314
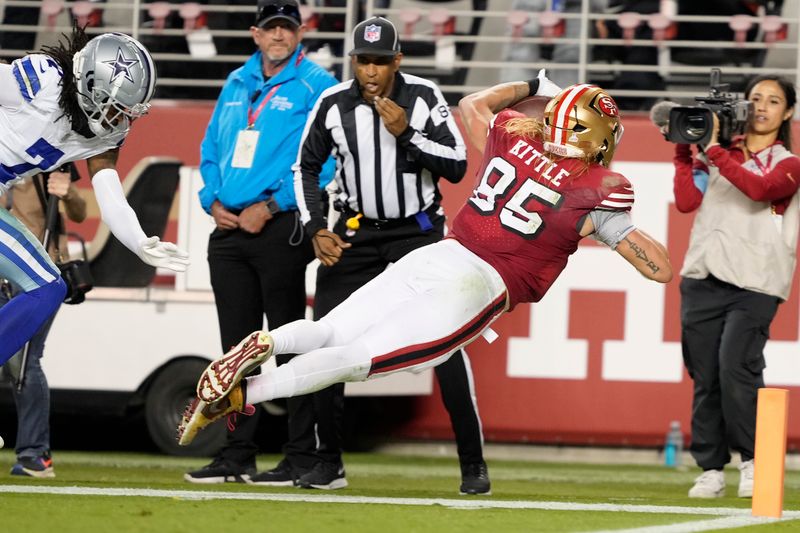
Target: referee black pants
x=373, y=249
x=252, y=276
x=723, y=333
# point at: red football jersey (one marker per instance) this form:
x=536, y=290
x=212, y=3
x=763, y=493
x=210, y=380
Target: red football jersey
x=526, y=211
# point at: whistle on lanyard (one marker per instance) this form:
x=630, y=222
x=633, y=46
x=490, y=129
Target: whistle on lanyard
x=352, y=223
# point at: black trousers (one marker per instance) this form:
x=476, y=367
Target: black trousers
x=373, y=249
x=723, y=333
x=254, y=275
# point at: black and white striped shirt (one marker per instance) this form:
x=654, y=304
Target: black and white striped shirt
x=380, y=175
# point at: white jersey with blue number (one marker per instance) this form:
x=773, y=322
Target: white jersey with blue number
x=36, y=136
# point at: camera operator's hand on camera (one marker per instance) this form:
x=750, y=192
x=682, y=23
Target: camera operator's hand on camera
x=58, y=183
x=714, y=141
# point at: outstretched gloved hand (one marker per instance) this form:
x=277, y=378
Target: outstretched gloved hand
x=163, y=254
x=546, y=87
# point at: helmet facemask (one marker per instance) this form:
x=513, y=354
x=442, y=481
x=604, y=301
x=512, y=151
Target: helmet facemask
x=109, y=117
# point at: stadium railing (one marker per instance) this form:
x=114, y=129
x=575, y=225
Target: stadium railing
x=445, y=44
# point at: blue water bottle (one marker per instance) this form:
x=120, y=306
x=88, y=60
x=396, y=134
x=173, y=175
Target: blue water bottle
x=673, y=445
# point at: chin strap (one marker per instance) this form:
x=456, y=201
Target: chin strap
x=564, y=150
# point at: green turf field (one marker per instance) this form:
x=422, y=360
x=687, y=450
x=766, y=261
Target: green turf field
x=99, y=492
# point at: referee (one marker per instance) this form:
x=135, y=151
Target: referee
x=393, y=137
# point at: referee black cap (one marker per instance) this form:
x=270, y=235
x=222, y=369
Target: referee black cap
x=375, y=36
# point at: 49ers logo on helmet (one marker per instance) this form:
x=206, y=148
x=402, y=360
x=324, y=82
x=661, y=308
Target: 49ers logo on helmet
x=608, y=106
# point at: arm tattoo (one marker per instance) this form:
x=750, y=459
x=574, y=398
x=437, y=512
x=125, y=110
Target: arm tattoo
x=641, y=254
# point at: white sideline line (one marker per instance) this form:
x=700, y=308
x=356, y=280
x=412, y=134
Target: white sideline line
x=727, y=522
x=465, y=503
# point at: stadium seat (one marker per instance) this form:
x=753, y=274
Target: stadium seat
x=159, y=11
x=81, y=11
x=740, y=24
x=191, y=13
x=517, y=20
x=51, y=9
x=150, y=188
x=409, y=17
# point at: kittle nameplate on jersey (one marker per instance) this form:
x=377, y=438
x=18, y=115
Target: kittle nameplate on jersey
x=528, y=154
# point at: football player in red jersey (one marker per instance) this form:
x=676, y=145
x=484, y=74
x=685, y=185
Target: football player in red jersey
x=543, y=185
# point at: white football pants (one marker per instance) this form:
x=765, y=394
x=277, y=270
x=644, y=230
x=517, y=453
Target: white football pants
x=413, y=316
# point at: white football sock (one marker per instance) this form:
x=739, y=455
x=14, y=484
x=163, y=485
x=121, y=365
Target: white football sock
x=301, y=336
x=310, y=372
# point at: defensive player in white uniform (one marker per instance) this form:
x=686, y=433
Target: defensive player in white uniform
x=541, y=188
x=72, y=101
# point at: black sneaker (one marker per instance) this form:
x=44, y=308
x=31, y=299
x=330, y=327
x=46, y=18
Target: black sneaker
x=326, y=476
x=220, y=471
x=283, y=475
x=475, y=479
x=41, y=466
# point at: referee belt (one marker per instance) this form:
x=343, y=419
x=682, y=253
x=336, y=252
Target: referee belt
x=390, y=222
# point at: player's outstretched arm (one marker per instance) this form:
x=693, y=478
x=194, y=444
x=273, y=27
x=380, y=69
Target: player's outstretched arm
x=121, y=220
x=647, y=255
x=477, y=109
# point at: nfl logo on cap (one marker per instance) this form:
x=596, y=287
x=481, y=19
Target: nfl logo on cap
x=375, y=36
x=372, y=33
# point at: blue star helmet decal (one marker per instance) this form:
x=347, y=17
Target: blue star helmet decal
x=121, y=66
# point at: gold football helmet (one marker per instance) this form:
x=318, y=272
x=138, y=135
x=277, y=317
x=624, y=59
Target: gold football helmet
x=582, y=120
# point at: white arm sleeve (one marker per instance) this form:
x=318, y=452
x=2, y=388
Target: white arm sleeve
x=610, y=227
x=9, y=90
x=115, y=210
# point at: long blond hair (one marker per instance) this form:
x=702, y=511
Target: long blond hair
x=533, y=128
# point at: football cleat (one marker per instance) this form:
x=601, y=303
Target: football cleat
x=198, y=414
x=222, y=375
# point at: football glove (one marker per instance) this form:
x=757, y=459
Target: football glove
x=163, y=254
x=546, y=87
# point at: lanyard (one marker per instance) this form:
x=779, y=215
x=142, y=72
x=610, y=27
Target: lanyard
x=764, y=168
x=252, y=117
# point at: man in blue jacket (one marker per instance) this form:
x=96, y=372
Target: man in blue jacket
x=258, y=252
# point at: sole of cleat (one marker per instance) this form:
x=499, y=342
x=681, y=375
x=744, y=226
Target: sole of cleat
x=243, y=478
x=272, y=483
x=333, y=485
x=222, y=375
x=40, y=474
x=186, y=437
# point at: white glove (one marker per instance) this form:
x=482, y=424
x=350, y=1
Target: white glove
x=546, y=87
x=163, y=254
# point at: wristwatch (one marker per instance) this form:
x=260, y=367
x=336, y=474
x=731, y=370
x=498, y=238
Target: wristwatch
x=272, y=205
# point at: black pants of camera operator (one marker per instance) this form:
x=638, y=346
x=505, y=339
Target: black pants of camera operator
x=373, y=249
x=724, y=329
x=253, y=276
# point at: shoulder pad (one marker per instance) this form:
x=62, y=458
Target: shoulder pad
x=616, y=192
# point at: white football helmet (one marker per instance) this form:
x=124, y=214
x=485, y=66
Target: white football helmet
x=116, y=79
x=582, y=120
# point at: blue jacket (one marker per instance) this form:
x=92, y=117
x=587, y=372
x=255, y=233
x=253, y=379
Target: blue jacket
x=280, y=125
